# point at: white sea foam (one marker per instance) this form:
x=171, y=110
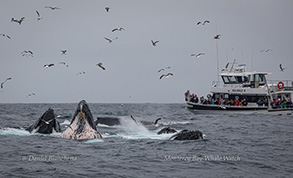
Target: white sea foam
x=66, y=122
x=14, y=132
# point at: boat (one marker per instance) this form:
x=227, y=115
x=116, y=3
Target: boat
x=250, y=90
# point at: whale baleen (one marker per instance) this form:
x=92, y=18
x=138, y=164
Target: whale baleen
x=82, y=126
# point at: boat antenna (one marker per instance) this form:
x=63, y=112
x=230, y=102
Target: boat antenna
x=217, y=53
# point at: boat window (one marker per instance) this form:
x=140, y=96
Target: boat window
x=232, y=79
x=225, y=79
x=259, y=77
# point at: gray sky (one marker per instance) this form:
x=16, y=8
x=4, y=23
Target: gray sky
x=131, y=62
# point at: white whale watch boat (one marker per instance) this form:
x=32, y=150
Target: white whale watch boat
x=251, y=86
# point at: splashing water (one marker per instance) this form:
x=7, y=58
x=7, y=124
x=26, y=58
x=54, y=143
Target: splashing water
x=133, y=130
x=14, y=132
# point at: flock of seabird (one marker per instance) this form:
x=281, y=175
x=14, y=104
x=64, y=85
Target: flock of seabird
x=64, y=52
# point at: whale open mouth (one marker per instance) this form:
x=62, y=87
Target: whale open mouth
x=82, y=126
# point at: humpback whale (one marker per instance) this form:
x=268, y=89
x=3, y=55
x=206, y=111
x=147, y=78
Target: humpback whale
x=109, y=121
x=167, y=130
x=82, y=126
x=45, y=124
x=187, y=135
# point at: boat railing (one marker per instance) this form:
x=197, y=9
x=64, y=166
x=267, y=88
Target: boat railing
x=271, y=83
x=287, y=83
x=223, y=85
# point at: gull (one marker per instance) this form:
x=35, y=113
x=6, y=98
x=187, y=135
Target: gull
x=118, y=29
x=281, y=68
x=111, y=40
x=48, y=65
x=101, y=66
x=203, y=23
x=107, y=9
x=64, y=64
x=63, y=52
x=217, y=37
x=267, y=50
x=79, y=73
x=39, y=16
x=27, y=53
x=154, y=42
x=53, y=8
x=165, y=75
x=47, y=122
x=198, y=55
x=31, y=94
x=17, y=21
x=2, y=84
x=164, y=69
x=4, y=35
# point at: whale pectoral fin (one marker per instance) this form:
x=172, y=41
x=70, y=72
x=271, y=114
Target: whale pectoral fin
x=57, y=126
x=35, y=125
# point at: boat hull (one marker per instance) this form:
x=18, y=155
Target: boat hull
x=197, y=106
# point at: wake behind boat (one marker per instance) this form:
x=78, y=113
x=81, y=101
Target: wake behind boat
x=241, y=90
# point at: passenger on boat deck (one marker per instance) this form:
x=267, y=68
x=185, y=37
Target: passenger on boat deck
x=284, y=103
x=187, y=95
x=201, y=100
x=289, y=102
x=266, y=102
x=236, y=102
x=213, y=101
x=260, y=102
x=195, y=99
x=222, y=101
x=231, y=102
x=244, y=102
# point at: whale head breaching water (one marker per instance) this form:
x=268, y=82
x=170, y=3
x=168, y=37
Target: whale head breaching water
x=82, y=126
x=45, y=124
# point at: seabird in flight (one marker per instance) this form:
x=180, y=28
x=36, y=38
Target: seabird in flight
x=165, y=75
x=266, y=50
x=39, y=16
x=4, y=35
x=111, y=40
x=53, y=8
x=198, y=55
x=154, y=42
x=79, y=73
x=17, y=21
x=31, y=94
x=48, y=65
x=63, y=52
x=118, y=29
x=107, y=9
x=64, y=64
x=2, y=84
x=101, y=66
x=281, y=68
x=217, y=37
x=164, y=69
x=27, y=53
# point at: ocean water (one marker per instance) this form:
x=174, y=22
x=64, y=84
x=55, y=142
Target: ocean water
x=236, y=144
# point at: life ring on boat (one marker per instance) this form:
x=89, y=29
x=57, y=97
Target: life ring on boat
x=280, y=85
x=209, y=96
